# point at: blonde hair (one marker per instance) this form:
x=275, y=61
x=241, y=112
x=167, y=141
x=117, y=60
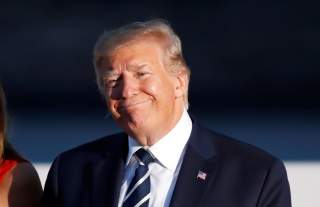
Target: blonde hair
x=157, y=30
x=3, y=121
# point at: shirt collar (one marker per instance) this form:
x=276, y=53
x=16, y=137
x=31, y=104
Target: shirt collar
x=170, y=147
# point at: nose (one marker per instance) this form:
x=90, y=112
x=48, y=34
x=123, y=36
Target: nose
x=128, y=86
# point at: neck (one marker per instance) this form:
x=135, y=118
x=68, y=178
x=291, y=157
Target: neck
x=153, y=137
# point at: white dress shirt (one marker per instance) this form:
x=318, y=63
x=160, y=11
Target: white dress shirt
x=168, y=152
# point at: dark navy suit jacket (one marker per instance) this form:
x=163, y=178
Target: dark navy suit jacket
x=236, y=174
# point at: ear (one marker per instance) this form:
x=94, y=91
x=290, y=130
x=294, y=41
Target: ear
x=180, y=84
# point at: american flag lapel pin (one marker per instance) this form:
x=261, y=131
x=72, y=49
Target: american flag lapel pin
x=202, y=175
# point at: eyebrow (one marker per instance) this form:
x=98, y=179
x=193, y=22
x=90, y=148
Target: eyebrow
x=109, y=73
x=137, y=67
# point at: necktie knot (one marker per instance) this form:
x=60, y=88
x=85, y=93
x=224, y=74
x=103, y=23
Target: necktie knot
x=144, y=156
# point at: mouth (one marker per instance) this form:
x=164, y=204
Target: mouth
x=126, y=106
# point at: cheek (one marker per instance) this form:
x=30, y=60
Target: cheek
x=110, y=93
x=158, y=86
x=111, y=104
x=153, y=89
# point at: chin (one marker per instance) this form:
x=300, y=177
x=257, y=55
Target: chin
x=132, y=121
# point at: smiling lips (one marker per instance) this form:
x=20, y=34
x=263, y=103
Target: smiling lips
x=126, y=106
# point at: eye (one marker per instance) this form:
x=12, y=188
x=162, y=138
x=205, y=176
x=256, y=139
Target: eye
x=111, y=83
x=142, y=74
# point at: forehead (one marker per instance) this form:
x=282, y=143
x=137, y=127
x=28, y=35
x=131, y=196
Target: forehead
x=134, y=53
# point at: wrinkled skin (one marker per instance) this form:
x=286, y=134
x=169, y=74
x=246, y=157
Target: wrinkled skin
x=142, y=96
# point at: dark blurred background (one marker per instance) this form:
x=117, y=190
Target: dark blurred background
x=255, y=70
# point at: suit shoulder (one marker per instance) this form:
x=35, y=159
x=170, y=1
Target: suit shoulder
x=237, y=150
x=107, y=144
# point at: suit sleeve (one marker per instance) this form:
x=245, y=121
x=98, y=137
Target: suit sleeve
x=51, y=190
x=276, y=190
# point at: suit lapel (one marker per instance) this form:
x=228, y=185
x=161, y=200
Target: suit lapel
x=106, y=175
x=197, y=170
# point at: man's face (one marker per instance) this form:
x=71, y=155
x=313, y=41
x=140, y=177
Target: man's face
x=143, y=97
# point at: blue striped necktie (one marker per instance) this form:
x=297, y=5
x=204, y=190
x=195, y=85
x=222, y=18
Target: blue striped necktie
x=138, y=193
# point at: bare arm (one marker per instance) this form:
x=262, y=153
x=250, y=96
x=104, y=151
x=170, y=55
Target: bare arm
x=26, y=189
